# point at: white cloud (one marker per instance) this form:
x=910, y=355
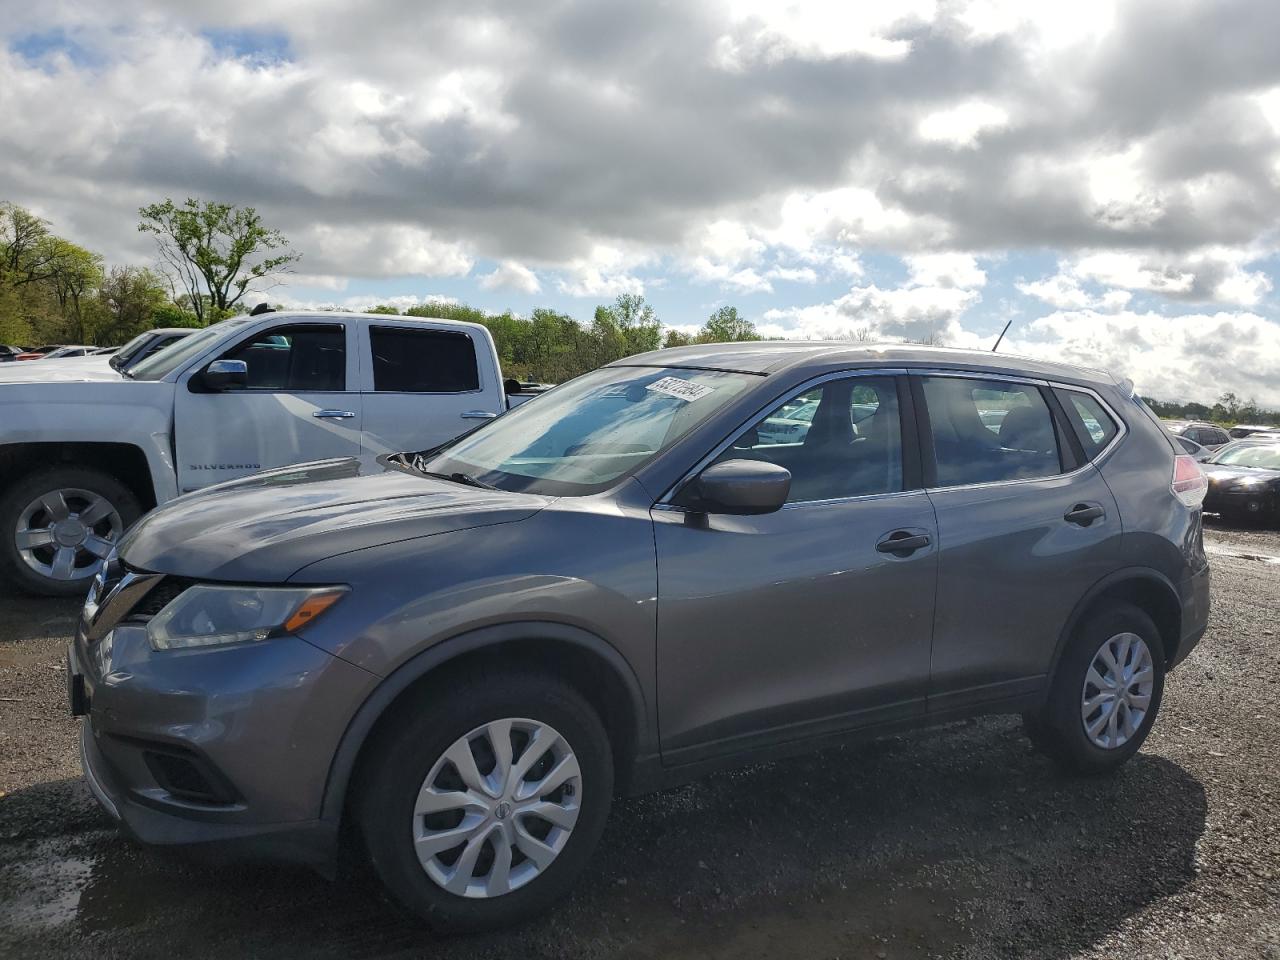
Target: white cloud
x=512, y=276
x=1189, y=357
x=605, y=272
x=961, y=126
x=945, y=270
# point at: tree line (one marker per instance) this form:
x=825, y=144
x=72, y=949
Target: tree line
x=210, y=256
x=1229, y=410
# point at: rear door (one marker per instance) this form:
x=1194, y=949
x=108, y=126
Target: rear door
x=800, y=622
x=424, y=384
x=300, y=404
x=1025, y=526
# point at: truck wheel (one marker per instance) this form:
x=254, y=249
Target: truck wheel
x=1105, y=693
x=481, y=804
x=57, y=525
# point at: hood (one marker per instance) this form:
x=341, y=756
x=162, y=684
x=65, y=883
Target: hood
x=73, y=370
x=267, y=527
x=1226, y=475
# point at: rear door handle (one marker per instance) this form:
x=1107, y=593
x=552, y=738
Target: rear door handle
x=478, y=415
x=1083, y=514
x=902, y=542
x=333, y=414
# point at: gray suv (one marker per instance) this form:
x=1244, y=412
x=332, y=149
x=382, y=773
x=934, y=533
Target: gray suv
x=461, y=656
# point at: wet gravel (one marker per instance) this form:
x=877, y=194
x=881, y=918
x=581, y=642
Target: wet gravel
x=953, y=842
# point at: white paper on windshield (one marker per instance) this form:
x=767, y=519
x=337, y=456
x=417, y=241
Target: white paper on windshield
x=685, y=390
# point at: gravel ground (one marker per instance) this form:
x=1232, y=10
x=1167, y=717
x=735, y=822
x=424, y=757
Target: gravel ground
x=953, y=842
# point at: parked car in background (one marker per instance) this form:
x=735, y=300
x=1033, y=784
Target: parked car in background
x=1207, y=435
x=103, y=351
x=85, y=448
x=37, y=353
x=1242, y=430
x=1244, y=481
x=1192, y=448
x=463, y=654
x=8, y=354
x=146, y=344
x=67, y=353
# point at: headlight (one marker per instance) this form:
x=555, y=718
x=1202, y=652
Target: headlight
x=207, y=615
x=1247, y=482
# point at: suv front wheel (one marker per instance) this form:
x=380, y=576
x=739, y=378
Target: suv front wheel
x=1105, y=693
x=481, y=802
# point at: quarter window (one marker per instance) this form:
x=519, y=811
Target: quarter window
x=423, y=361
x=301, y=358
x=843, y=439
x=1093, y=425
x=988, y=431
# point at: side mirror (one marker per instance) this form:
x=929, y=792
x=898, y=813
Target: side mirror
x=739, y=487
x=225, y=374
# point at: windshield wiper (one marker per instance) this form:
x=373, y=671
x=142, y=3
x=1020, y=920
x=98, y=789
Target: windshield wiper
x=463, y=478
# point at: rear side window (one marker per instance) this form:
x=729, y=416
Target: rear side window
x=989, y=431
x=1090, y=420
x=423, y=361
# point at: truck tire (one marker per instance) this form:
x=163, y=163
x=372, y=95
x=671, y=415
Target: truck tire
x=481, y=803
x=1105, y=694
x=57, y=525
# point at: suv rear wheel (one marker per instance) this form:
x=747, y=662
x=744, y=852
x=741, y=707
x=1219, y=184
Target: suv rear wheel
x=57, y=525
x=1105, y=692
x=481, y=807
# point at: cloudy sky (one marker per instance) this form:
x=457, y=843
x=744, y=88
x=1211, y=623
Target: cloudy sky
x=1105, y=175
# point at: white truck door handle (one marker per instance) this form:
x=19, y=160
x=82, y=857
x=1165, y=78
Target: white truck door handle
x=333, y=414
x=478, y=415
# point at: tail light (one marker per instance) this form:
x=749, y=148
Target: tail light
x=1189, y=481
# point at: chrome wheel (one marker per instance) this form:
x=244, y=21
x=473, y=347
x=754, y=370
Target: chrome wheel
x=1117, y=691
x=64, y=534
x=497, y=808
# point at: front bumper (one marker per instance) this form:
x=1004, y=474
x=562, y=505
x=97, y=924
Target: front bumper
x=1237, y=502
x=231, y=746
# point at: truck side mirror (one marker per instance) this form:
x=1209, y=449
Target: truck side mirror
x=225, y=375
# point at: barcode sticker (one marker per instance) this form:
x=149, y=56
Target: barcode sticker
x=685, y=390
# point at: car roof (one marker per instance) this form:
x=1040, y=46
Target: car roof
x=773, y=356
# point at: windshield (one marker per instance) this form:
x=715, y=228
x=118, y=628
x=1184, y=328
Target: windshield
x=126, y=351
x=163, y=361
x=584, y=436
x=1263, y=456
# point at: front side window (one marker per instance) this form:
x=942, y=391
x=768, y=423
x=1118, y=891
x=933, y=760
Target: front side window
x=1093, y=425
x=989, y=431
x=586, y=435
x=310, y=357
x=848, y=444
x=423, y=361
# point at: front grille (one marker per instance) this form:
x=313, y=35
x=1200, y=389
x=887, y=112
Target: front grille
x=157, y=598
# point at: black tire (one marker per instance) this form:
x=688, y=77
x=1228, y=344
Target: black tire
x=14, y=500
x=1058, y=729
x=415, y=737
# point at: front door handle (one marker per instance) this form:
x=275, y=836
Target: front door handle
x=1083, y=514
x=333, y=414
x=902, y=542
x=478, y=415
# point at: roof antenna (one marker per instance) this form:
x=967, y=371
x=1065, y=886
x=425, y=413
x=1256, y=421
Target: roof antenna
x=1002, y=333
x=261, y=308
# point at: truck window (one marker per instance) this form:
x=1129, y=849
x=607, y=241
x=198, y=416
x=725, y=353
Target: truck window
x=423, y=361
x=310, y=357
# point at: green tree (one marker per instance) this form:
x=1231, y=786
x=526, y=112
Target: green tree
x=73, y=275
x=382, y=308
x=675, y=338
x=130, y=298
x=214, y=251
x=726, y=325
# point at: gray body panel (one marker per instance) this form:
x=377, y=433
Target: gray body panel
x=730, y=637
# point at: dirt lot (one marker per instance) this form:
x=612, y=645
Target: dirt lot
x=953, y=842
